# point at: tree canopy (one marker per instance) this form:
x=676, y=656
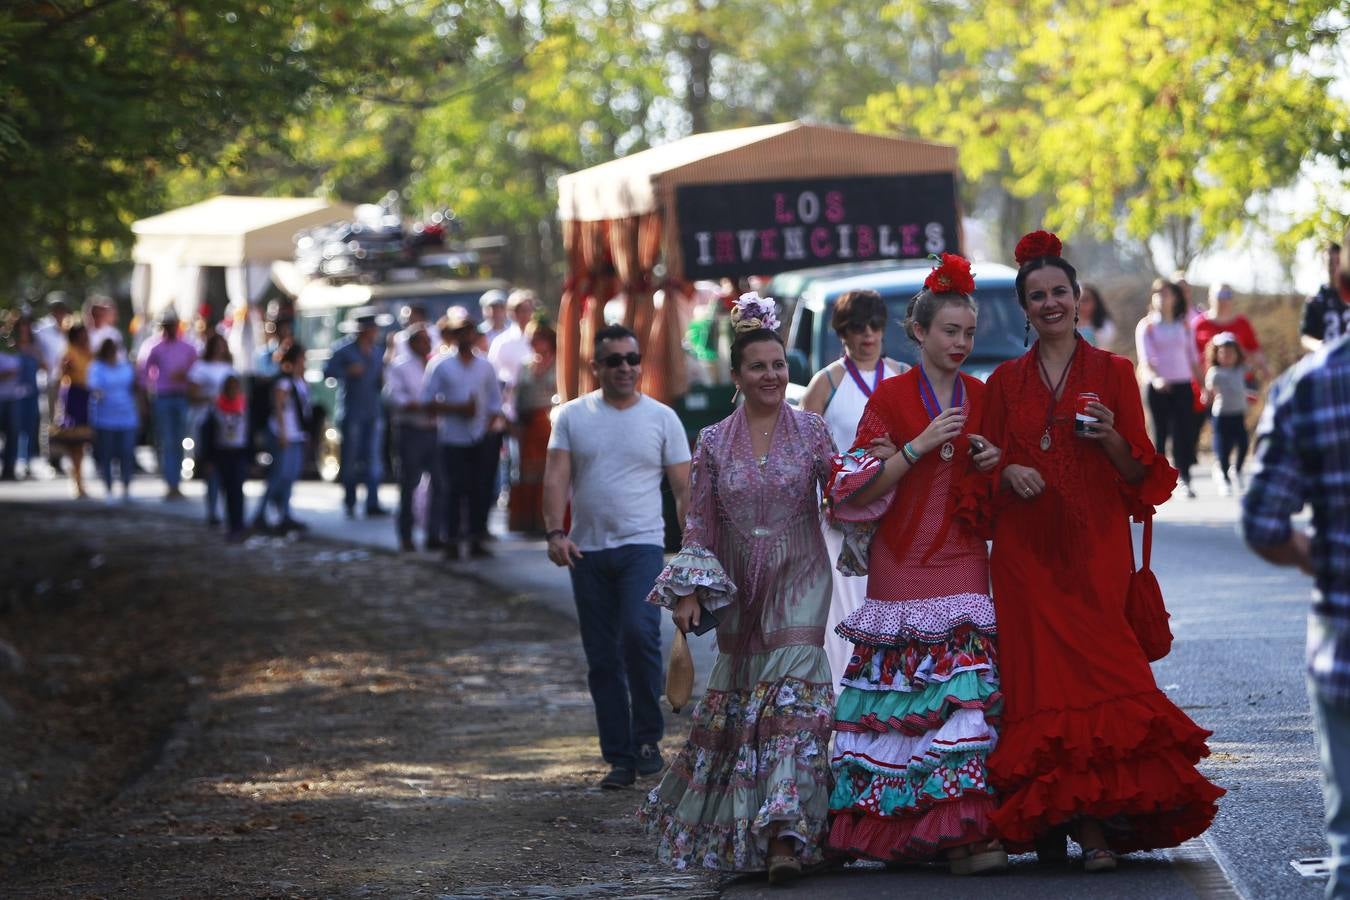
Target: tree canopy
x=1127, y=120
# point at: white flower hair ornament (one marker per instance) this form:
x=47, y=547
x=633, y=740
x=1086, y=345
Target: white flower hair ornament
x=752, y=312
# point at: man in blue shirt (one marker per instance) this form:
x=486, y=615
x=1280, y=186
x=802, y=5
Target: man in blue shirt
x=1303, y=456
x=358, y=365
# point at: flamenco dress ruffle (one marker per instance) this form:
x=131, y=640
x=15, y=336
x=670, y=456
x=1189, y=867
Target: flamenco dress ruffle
x=913, y=729
x=756, y=764
x=1086, y=733
x=916, y=714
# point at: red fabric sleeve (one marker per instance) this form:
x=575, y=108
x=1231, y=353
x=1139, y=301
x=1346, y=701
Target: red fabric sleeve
x=1159, y=476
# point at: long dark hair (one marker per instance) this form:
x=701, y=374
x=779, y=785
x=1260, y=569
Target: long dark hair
x=1100, y=314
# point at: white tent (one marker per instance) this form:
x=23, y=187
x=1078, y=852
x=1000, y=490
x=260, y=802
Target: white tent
x=242, y=235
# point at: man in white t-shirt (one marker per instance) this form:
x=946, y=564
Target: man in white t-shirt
x=608, y=452
x=103, y=324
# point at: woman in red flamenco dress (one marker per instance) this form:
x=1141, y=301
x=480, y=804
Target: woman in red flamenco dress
x=1089, y=746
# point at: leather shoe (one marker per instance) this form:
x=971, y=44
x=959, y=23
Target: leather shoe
x=618, y=779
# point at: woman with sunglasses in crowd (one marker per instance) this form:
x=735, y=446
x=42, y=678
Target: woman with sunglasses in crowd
x=749, y=792
x=1089, y=746
x=838, y=393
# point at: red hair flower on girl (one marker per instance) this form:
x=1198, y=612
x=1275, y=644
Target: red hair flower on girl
x=952, y=276
x=1037, y=244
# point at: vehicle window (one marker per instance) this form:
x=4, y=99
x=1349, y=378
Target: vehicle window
x=805, y=330
x=316, y=330
x=998, y=329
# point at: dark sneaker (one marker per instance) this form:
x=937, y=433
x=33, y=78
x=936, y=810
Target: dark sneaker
x=375, y=512
x=478, y=551
x=649, y=760
x=289, y=525
x=618, y=779
x=451, y=552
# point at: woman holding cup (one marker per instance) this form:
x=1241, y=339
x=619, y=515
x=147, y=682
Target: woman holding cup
x=1089, y=745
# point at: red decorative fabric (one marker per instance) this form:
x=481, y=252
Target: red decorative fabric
x=951, y=276
x=920, y=837
x=1037, y=244
x=896, y=409
x=1086, y=732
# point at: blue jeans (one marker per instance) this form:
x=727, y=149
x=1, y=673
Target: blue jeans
x=1331, y=721
x=117, y=444
x=361, y=459
x=287, y=463
x=621, y=634
x=171, y=413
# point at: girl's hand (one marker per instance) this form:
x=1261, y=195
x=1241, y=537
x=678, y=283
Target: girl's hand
x=944, y=427
x=1024, y=481
x=1104, y=429
x=985, y=455
x=686, y=613
x=882, y=448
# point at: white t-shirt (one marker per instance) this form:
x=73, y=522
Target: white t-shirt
x=210, y=377
x=508, y=352
x=618, y=458
x=106, y=333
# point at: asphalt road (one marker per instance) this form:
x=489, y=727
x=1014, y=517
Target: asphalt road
x=1236, y=667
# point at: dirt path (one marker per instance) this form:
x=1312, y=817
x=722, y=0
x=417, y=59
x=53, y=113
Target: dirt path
x=290, y=720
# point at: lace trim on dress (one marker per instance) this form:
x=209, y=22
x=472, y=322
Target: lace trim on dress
x=932, y=621
x=694, y=570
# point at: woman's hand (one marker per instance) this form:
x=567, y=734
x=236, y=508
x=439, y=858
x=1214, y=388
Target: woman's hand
x=984, y=454
x=1104, y=429
x=882, y=448
x=944, y=427
x=1024, y=481
x=686, y=613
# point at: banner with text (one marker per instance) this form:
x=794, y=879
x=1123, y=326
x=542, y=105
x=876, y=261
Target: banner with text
x=765, y=227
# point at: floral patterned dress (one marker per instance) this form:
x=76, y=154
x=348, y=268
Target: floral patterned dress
x=756, y=765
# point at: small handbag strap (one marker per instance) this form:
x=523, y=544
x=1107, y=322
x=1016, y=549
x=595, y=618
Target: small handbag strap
x=1148, y=542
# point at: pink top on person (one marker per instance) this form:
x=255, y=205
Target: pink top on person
x=163, y=365
x=1167, y=347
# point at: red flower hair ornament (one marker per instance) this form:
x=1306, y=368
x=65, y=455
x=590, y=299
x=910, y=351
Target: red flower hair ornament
x=952, y=276
x=1035, y=245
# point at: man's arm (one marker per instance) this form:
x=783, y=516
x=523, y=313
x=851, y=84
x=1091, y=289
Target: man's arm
x=1278, y=488
x=557, y=491
x=678, y=476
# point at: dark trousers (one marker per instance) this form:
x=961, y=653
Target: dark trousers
x=231, y=468
x=1173, y=421
x=361, y=459
x=1230, y=439
x=417, y=456
x=621, y=634
x=470, y=479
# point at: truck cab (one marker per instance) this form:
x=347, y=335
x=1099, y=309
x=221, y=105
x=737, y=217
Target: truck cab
x=812, y=344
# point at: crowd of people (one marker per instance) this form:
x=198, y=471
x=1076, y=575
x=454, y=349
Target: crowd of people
x=887, y=687
x=466, y=400
x=923, y=586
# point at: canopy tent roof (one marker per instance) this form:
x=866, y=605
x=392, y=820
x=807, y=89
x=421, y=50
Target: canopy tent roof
x=227, y=231
x=645, y=181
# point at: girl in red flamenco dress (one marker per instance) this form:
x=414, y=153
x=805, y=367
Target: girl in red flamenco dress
x=916, y=716
x=1089, y=744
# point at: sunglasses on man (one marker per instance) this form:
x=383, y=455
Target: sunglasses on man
x=614, y=360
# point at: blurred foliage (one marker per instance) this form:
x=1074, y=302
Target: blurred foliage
x=1125, y=120
x=1162, y=118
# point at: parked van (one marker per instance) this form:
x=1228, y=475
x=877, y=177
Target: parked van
x=321, y=310
x=812, y=343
